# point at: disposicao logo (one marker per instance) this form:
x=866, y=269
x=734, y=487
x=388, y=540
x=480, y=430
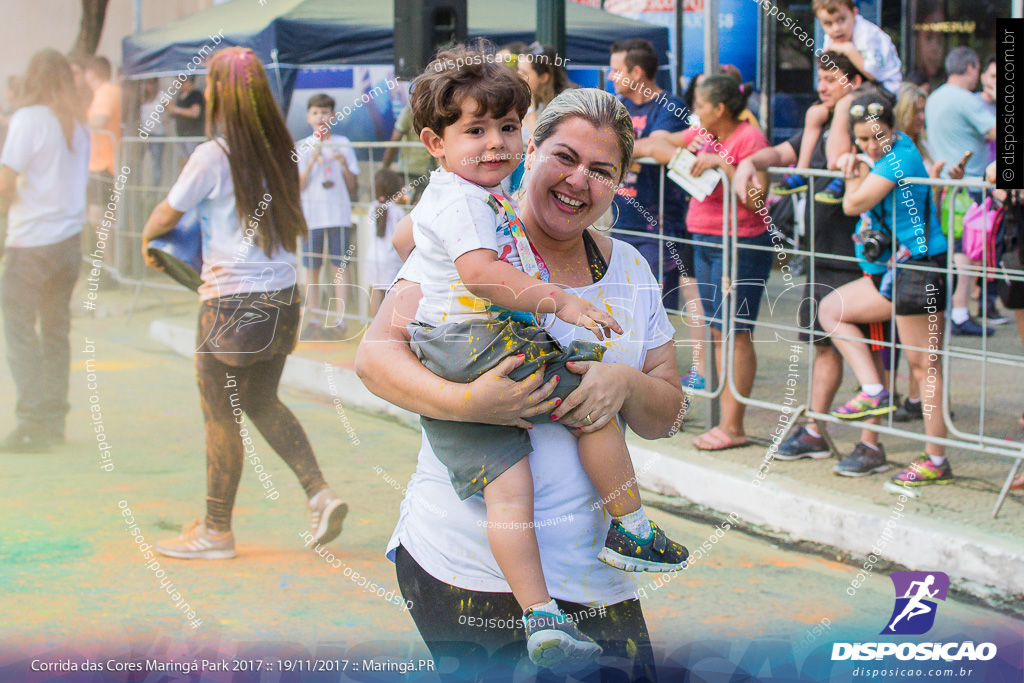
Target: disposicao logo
x=916, y=592
x=914, y=615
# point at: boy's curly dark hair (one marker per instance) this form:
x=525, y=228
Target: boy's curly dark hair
x=461, y=72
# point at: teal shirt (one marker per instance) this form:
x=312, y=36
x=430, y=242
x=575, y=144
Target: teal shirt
x=906, y=210
x=957, y=122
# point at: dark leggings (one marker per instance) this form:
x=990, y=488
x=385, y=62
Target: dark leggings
x=255, y=393
x=465, y=652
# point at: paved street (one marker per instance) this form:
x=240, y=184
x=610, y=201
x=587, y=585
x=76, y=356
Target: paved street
x=75, y=582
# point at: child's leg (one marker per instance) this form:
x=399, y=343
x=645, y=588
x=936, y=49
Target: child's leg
x=510, y=534
x=606, y=461
x=634, y=543
x=813, y=126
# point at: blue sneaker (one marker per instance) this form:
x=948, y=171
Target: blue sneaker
x=791, y=184
x=969, y=328
x=554, y=642
x=803, y=445
x=863, y=461
x=658, y=553
x=833, y=192
x=694, y=382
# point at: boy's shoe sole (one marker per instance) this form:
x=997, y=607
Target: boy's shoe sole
x=560, y=652
x=827, y=198
x=813, y=455
x=632, y=564
x=780, y=191
x=865, y=473
x=874, y=412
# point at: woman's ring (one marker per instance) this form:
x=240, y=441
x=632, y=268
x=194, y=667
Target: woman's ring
x=589, y=421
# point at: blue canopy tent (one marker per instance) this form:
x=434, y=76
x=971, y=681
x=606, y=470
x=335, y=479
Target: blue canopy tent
x=290, y=35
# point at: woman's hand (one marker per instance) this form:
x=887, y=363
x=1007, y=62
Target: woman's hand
x=600, y=395
x=848, y=164
x=498, y=400
x=706, y=161
x=149, y=258
x=160, y=222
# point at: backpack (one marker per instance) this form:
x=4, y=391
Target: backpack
x=1010, y=252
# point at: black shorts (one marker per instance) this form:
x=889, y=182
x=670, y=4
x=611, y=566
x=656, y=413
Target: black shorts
x=827, y=280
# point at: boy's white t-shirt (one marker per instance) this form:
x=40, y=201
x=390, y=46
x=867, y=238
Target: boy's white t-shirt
x=881, y=58
x=448, y=537
x=231, y=265
x=327, y=207
x=454, y=217
x=49, y=204
x=382, y=261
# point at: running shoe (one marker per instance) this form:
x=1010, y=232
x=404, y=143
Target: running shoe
x=924, y=472
x=908, y=411
x=791, y=184
x=326, y=513
x=554, y=642
x=969, y=328
x=864, y=405
x=197, y=543
x=657, y=553
x=833, y=192
x=803, y=445
x=863, y=461
x=694, y=382
x=994, y=316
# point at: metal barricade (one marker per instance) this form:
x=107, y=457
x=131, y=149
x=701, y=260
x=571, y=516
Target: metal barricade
x=956, y=437
x=156, y=163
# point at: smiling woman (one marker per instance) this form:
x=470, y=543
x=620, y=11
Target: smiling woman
x=460, y=568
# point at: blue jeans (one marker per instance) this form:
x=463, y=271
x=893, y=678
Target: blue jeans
x=754, y=267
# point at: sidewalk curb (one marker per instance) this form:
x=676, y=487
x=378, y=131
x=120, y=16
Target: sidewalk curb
x=978, y=561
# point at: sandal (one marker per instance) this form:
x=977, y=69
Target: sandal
x=719, y=440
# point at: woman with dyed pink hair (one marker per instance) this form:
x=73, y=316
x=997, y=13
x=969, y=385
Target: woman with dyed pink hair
x=249, y=305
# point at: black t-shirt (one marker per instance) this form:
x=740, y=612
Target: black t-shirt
x=185, y=126
x=833, y=229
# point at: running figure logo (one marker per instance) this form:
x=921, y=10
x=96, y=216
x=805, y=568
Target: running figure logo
x=914, y=612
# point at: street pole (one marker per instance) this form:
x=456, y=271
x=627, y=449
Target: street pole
x=1018, y=9
x=677, y=84
x=710, y=37
x=551, y=24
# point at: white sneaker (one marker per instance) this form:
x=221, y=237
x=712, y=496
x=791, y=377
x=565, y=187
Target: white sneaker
x=326, y=513
x=197, y=543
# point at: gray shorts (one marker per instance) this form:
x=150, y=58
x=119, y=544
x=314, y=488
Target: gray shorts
x=460, y=352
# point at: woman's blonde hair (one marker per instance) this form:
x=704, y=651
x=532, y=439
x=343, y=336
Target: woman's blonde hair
x=906, y=110
x=598, y=108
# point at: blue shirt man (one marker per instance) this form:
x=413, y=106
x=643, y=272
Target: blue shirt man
x=956, y=121
x=654, y=112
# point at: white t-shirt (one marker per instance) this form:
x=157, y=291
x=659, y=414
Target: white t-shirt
x=327, y=207
x=382, y=261
x=233, y=263
x=49, y=204
x=881, y=58
x=454, y=217
x=147, y=109
x=446, y=535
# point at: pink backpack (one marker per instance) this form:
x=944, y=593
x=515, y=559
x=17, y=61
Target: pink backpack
x=980, y=223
